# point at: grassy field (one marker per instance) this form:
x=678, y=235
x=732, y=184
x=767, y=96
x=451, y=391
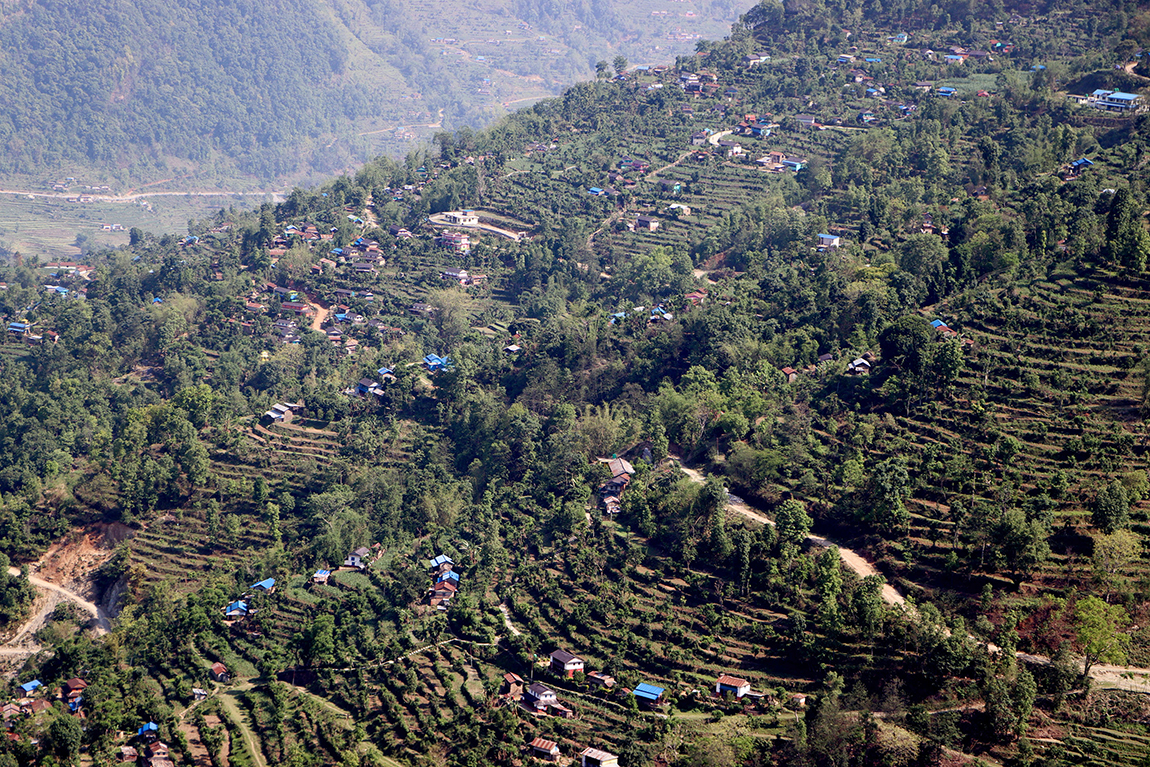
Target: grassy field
x=51, y=228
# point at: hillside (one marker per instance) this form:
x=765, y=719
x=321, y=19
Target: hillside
x=123, y=92
x=784, y=406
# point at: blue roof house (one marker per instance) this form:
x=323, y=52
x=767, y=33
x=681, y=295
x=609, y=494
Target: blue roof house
x=237, y=609
x=151, y=729
x=31, y=687
x=435, y=363
x=450, y=575
x=947, y=92
x=937, y=324
x=649, y=694
x=440, y=561
x=1081, y=163
x=267, y=585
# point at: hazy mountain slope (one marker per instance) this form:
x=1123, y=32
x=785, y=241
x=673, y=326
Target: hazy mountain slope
x=289, y=88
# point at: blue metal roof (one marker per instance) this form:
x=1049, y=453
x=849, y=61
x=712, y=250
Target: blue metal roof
x=442, y=559
x=449, y=575
x=937, y=324
x=30, y=686
x=648, y=692
x=266, y=583
x=238, y=606
x=149, y=727
x=322, y=572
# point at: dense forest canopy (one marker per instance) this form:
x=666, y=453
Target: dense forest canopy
x=736, y=373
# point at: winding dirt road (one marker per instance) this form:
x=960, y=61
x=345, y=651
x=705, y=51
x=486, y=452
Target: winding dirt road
x=1129, y=678
x=22, y=643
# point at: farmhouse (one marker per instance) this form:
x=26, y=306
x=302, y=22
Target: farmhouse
x=438, y=562
x=219, y=672
x=830, y=241
x=650, y=223
x=593, y=757
x=649, y=694
x=540, y=696
x=266, y=586
x=599, y=679
x=565, y=664
x=547, y=750
x=358, y=558
x=732, y=685
x=321, y=576
x=790, y=373
x=236, y=610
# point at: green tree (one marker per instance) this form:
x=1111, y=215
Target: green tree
x=792, y=522
x=1098, y=628
x=1111, y=510
x=66, y=737
x=904, y=341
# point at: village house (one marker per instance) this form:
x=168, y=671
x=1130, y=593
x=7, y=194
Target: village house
x=547, y=750
x=440, y=562
x=650, y=223
x=321, y=576
x=513, y=685
x=732, y=685
x=73, y=689
x=1116, y=101
x=444, y=590
x=827, y=241
x=454, y=241
x=358, y=558
x=858, y=367
x=236, y=610
x=433, y=363
x=540, y=696
x=790, y=373
x=199, y=693
x=219, y=673
x=593, y=757
x=649, y=695
x=148, y=732
x=127, y=754
x=300, y=309
x=599, y=679
x=565, y=664
x=462, y=218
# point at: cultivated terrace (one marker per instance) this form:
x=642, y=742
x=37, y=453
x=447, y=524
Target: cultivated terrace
x=783, y=405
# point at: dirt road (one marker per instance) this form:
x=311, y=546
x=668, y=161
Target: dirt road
x=23, y=643
x=1130, y=678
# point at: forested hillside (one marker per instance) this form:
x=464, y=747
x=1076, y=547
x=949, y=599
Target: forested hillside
x=782, y=406
x=132, y=91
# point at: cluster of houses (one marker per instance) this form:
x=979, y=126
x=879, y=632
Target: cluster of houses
x=446, y=583
x=283, y=412
x=657, y=313
x=243, y=608
x=30, y=700
x=1114, y=101
x=611, y=490
x=548, y=751
x=357, y=559
x=792, y=374
x=149, y=750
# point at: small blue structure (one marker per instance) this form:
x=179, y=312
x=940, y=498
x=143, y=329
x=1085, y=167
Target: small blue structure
x=440, y=561
x=649, y=693
x=450, y=575
x=434, y=363
x=150, y=729
x=321, y=575
x=267, y=585
x=237, y=609
x=31, y=687
x=872, y=60
x=157, y=300
x=618, y=316
x=947, y=92
x=596, y=191
x=937, y=324
x=1081, y=164
x=74, y=704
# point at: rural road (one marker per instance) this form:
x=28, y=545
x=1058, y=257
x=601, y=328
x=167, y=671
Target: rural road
x=17, y=646
x=1131, y=679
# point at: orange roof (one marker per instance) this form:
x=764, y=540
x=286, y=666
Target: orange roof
x=732, y=681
